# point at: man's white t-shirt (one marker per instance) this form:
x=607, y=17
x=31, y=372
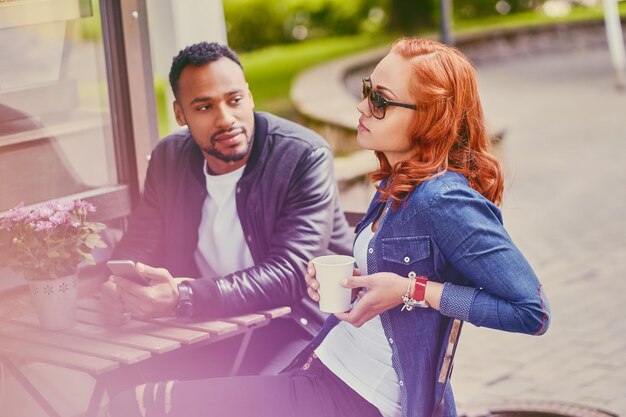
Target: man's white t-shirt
x=222, y=248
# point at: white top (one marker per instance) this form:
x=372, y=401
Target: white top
x=361, y=357
x=222, y=248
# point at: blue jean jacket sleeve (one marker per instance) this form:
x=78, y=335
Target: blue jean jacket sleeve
x=503, y=291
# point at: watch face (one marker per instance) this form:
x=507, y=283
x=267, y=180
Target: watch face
x=184, y=307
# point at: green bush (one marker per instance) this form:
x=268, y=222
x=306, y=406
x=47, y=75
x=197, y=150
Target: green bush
x=472, y=9
x=89, y=28
x=253, y=24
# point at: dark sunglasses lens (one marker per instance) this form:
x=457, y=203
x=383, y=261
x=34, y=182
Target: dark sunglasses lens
x=376, y=102
x=378, y=105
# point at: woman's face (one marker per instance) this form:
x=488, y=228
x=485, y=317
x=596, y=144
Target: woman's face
x=390, y=134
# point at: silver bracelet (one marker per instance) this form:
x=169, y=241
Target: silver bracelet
x=407, y=298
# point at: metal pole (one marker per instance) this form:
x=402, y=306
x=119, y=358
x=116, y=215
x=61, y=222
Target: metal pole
x=615, y=39
x=445, y=23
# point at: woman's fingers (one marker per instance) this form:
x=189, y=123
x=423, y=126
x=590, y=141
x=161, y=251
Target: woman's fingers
x=312, y=284
x=314, y=295
x=310, y=272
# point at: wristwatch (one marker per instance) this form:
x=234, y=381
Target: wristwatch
x=184, y=307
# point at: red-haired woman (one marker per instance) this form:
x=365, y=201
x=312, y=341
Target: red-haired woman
x=431, y=248
x=433, y=234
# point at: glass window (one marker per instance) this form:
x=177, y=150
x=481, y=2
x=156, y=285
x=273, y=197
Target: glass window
x=55, y=119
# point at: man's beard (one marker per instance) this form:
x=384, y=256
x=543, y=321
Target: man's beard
x=233, y=157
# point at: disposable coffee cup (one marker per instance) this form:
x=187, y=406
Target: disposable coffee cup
x=330, y=271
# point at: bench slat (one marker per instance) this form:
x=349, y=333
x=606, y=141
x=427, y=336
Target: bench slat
x=247, y=320
x=216, y=327
x=184, y=336
x=117, y=353
x=112, y=335
x=276, y=312
x=59, y=357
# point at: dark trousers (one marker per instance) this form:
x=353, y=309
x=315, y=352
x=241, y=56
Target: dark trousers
x=309, y=391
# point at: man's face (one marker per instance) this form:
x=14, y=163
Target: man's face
x=215, y=103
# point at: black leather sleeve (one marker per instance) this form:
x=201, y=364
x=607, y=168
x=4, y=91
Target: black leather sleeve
x=302, y=231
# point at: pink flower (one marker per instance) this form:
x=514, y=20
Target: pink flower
x=43, y=226
x=40, y=213
x=61, y=205
x=51, y=239
x=80, y=204
x=16, y=215
x=60, y=218
x=6, y=224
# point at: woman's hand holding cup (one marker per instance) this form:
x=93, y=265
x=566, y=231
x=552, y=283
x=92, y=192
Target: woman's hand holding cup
x=333, y=278
x=311, y=283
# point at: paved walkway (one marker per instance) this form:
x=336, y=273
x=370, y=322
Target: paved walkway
x=565, y=207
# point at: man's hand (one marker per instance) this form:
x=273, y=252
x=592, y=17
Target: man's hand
x=155, y=300
x=384, y=291
x=112, y=305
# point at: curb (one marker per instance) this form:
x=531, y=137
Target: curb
x=536, y=408
x=320, y=94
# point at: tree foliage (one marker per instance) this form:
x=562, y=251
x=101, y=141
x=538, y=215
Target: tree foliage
x=254, y=24
x=408, y=16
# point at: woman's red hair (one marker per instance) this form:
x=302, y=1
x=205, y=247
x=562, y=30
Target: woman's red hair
x=448, y=132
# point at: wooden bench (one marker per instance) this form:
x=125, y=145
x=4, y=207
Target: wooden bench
x=106, y=353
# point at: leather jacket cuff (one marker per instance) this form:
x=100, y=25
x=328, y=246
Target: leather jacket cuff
x=206, y=298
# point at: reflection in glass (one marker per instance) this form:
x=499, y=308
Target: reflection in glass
x=55, y=119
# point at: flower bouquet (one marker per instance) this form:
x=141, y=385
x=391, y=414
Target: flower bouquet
x=45, y=245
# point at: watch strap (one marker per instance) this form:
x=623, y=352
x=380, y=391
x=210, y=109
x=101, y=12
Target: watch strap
x=419, y=292
x=184, y=306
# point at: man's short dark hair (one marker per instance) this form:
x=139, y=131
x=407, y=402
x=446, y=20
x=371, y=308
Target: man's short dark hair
x=199, y=54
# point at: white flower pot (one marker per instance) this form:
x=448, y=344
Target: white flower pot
x=55, y=301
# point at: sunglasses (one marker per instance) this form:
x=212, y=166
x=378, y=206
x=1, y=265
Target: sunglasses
x=378, y=104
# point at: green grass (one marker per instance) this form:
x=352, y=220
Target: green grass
x=161, y=87
x=270, y=71
x=531, y=18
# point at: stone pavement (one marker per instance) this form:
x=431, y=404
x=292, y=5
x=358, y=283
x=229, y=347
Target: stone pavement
x=565, y=207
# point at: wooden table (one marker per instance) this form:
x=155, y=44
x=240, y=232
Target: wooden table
x=104, y=351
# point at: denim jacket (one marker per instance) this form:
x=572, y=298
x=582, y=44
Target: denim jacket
x=453, y=235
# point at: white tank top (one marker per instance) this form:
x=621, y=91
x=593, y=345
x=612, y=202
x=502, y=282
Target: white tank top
x=361, y=357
